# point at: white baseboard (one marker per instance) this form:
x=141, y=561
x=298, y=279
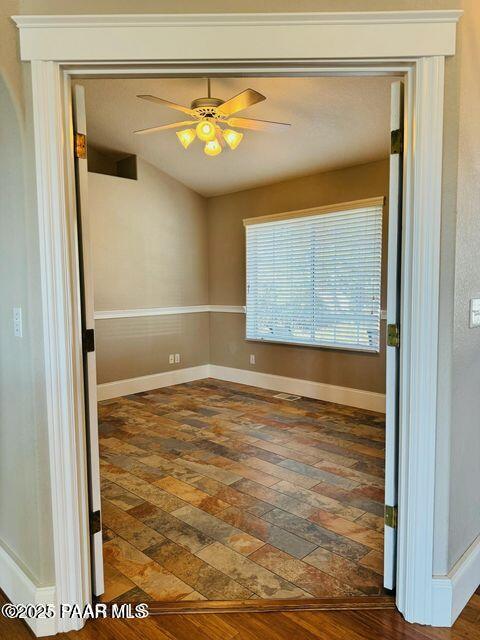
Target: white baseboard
x=119, y=388
x=317, y=390
x=451, y=593
x=20, y=589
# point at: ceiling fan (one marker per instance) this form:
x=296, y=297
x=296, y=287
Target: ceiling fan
x=210, y=115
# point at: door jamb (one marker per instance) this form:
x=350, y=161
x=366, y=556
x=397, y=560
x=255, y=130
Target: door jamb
x=424, y=77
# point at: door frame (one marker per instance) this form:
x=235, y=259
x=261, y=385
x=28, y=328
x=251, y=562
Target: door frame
x=411, y=44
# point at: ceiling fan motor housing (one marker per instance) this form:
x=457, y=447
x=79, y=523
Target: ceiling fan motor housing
x=206, y=107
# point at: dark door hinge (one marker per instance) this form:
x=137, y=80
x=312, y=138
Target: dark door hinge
x=80, y=146
x=391, y=516
x=89, y=340
x=95, y=522
x=393, y=335
x=396, y=141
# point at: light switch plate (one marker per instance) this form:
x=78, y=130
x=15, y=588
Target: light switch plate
x=17, y=322
x=474, y=313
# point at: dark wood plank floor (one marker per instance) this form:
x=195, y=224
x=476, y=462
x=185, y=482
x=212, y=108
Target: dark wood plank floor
x=324, y=625
x=218, y=491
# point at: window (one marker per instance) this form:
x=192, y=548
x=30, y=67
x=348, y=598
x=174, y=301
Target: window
x=313, y=277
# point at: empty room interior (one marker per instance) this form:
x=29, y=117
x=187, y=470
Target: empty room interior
x=240, y=300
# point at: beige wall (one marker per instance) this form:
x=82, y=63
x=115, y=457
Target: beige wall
x=132, y=347
x=457, y=420
x=227, y=278
x=149, y=242
x=150, y=249
x=25, y=515
x=464, y=516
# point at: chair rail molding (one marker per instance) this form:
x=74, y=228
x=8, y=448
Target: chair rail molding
x=411, y=44
x=167, y=311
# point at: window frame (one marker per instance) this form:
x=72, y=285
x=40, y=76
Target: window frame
x=373, y=202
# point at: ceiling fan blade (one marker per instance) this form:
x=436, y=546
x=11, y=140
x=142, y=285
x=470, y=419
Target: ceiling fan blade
x=173, y=125
x=257, y=125
x=220, y=138
x=239, y=102
x=167, y=103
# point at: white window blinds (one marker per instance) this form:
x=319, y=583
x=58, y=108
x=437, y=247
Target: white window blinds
x=315, y=280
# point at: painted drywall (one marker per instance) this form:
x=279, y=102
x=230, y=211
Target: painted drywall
x=464, y=514
x=149, y=246
x=25, y=517
x=449, y=471
x=226, y=236
x=315, y=106
x=150, y=249
x=133, y=347
x=220, y=6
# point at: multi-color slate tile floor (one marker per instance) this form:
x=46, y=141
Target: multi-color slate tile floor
x=219, y=491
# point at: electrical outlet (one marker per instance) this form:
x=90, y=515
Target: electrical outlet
x=177, y=358
x=17, y=322
x=171, y=359
x=252, y=358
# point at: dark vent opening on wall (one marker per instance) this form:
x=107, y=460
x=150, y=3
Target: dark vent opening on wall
x=112, y=163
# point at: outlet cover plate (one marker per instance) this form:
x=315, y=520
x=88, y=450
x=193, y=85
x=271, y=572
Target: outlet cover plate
x=474, y=313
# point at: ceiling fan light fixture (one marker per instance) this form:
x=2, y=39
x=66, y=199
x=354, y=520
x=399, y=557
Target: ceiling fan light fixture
x=232, y=138
x=208, y=116
x=186, y=137
x=212, y=148
x=206, y=130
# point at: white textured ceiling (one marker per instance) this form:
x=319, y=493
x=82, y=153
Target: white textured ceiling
x=336, y=122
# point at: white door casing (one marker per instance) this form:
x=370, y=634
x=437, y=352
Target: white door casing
x=412, y=44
